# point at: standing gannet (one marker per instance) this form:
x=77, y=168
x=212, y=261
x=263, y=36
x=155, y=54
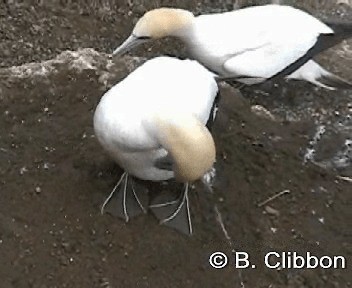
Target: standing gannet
x=153, y=124
x=249, y=45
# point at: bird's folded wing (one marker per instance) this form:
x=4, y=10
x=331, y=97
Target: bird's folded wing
x=268, y=59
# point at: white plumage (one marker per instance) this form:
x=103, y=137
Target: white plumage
x=165, y=86
x=249, y=45
x=257, y=41
x=153, y=124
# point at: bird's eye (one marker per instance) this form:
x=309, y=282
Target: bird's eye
x=144, y=37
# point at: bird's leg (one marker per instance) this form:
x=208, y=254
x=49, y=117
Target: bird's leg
x=112, y=192
x=176, y=213
x=128, y=201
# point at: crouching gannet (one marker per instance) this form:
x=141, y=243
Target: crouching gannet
x=153, y=124
x=249, y=45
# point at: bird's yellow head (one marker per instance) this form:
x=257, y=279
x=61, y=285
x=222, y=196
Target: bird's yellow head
x=162, y=22
x=190, y=145
x=155, y=24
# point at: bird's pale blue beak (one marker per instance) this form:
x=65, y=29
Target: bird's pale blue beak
x=131, y=42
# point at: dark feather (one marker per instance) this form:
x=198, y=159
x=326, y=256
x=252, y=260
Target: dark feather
x=213, y=112
x=343, y=30
x=335, y=82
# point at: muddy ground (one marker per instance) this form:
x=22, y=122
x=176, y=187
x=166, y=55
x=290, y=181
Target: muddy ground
x=54, y=176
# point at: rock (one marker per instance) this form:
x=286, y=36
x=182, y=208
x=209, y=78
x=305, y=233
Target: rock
x=262, y=112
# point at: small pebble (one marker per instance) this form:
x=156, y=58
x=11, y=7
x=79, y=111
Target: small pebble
x=23, y=170
x=262, y=112
x=272, y=211
x=274, y=230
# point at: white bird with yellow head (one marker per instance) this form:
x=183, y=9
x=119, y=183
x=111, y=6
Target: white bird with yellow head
x=249, y=45
x=153, y=124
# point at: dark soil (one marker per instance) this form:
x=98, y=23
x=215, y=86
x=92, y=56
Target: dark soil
x=54, y=175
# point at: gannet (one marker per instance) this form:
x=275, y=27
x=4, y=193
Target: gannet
x=153, y=124
x=249, y=45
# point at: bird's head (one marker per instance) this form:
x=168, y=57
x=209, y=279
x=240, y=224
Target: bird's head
x=156, y=24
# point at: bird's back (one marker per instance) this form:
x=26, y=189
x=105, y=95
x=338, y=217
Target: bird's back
x=165, y=83
x=271, y=31
x=162, y=84
x=264, y=18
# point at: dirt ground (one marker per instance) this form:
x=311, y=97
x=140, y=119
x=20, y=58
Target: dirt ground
x=54, y=175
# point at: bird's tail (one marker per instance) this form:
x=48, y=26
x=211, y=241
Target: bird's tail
x=332, y=81
x=314, y=73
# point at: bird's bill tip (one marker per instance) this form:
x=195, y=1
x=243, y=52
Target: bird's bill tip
x=131, y=42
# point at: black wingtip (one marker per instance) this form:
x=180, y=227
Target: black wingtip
x=335, y=82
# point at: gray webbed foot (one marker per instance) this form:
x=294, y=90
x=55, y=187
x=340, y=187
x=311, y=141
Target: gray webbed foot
x=127, y=199
x=175, y=213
